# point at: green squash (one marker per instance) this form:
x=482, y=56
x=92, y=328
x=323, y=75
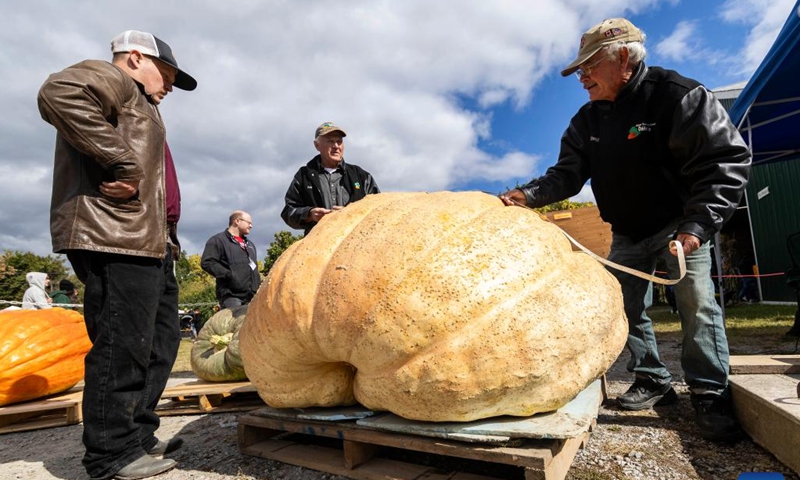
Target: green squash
x=215, y=354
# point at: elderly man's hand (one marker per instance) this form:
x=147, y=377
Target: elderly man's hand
x=689, y=242
x=513, y=197
x=120, y=189
x=315, y=214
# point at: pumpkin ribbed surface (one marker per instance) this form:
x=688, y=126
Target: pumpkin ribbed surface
x=215, y=355
x=41, y=353
x=439, y=307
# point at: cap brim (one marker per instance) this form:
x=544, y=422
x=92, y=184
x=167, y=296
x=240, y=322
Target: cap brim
x=572, y=67
x=344, y=134
x=184, y=81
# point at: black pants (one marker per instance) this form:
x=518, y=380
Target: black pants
x=131, y=314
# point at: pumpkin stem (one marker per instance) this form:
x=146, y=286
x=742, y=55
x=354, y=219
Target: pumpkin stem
x=221, y=341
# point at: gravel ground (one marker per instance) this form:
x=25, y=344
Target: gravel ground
x=656, y=444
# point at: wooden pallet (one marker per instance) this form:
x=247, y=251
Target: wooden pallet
x=362, y=449
x=199, y=396
x=56, y=411
x=191, y=398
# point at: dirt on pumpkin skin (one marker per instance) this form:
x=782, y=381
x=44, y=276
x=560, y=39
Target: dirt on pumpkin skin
x=656, y=444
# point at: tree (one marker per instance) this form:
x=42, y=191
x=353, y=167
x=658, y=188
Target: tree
x=283, y=240
x=196, y=286
x=563, y=205
x=14, y=265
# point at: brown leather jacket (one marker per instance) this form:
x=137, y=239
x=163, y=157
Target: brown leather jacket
x=108, y=129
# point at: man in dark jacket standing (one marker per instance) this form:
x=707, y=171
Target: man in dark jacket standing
x=326, y=183
x=113, y=188
x=665, y=163
x=231, y=258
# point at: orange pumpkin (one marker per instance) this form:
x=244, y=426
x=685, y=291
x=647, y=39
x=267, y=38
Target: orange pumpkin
x=41, y=353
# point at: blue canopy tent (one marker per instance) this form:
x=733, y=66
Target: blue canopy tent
x=767, y=113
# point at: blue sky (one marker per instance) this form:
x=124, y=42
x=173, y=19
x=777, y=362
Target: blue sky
x=434, y=95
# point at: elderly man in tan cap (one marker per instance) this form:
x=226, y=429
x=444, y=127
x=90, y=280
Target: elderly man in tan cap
x=665, y=163
x=326, y=183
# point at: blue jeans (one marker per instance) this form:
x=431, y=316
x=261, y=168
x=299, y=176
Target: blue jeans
x=705, y=356
x=131, y=315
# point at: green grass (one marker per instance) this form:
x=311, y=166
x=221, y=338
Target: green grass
x=183, y=363
x=751, y=328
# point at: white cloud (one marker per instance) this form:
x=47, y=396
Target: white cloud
x=585, y=195
x=681, y=41
x=762, y=20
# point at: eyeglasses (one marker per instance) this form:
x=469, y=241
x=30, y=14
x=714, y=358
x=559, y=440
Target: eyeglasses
x=247, y=221
x=586, y=70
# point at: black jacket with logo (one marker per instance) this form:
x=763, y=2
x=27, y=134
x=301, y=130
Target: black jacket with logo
x=305, y=191
x=664, y=150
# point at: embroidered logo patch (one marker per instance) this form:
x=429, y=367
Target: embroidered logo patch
x=357, y=186
x=640, y=128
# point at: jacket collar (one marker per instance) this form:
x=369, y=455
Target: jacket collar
x=632, y=85
x=316, y=163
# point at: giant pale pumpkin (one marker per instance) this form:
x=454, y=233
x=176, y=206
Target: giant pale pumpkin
x=438, y=307
x=215, y=355
x=41, y=352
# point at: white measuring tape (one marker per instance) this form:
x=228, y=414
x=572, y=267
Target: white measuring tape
x=664, y=281
x=674, y=244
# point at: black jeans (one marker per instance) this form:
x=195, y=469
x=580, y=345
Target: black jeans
x=131, y=314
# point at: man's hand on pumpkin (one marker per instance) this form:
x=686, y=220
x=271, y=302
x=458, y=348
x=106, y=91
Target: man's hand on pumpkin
x=513, y=197
x=316, y=214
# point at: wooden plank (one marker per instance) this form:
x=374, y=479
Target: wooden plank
x=56, y=411
x=535, y=453
x=769, y=411
x=330, y=460
x=197, y=397
x=558, y=468
x=198, y=387
x=586, y=226
x=358, y=453
x=768, y=364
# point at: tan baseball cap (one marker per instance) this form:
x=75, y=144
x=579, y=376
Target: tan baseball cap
x=326, y=128
x=607, y=32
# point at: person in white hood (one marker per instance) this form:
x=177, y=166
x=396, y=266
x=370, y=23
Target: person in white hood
x=36, y=296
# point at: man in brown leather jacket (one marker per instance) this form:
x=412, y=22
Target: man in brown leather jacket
x=113, y=187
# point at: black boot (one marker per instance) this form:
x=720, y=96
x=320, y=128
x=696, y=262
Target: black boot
x=715, y=417
x=646, y=393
